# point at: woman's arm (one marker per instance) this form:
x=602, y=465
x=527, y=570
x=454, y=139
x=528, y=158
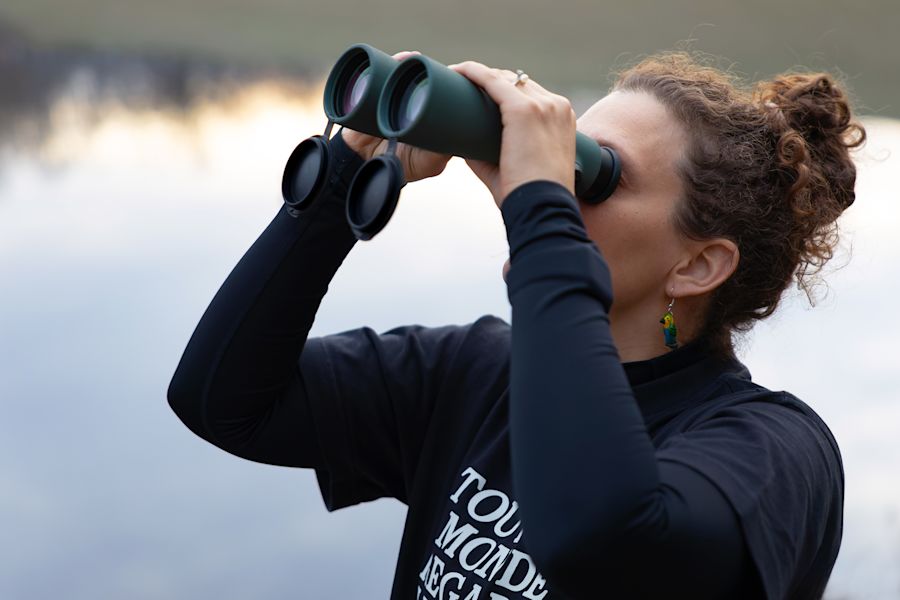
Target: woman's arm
x=356, y=404
x=237, y=385
x=598, y=509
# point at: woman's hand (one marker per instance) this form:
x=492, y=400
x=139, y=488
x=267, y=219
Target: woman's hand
x=538, y=139
x=417, y=163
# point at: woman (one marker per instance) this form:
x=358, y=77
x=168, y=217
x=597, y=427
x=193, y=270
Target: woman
x=574, y=454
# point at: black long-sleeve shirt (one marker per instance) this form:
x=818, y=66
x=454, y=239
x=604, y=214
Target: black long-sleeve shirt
x=534, y=463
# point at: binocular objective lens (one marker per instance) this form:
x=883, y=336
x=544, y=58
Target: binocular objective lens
x=412, y=99
x=356, y=87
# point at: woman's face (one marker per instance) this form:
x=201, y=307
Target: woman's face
x=633, y=228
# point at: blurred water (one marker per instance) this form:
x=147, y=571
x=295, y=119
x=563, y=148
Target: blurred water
x=117, y=225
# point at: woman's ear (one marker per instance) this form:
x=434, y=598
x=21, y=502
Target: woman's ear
x=711, y=262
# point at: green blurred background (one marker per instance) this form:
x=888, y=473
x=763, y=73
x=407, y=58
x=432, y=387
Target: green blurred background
x=566, y=44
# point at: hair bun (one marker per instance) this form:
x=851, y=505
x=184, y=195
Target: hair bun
x=812, y=103
x=811, y=119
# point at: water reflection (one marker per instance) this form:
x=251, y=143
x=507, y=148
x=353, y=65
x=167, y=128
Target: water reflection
x=108, y=264
x=37, y=80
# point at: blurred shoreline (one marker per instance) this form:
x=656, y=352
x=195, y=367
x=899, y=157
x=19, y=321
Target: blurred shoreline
x=35, y=78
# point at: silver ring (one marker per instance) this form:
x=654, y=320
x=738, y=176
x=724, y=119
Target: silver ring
x=521, y=77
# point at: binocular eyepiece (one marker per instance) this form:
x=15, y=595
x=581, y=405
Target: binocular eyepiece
x=423, y=103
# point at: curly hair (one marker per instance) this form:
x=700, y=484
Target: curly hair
x=767, y=166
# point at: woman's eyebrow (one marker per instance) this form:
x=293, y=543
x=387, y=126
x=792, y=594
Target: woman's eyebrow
x=628, y=165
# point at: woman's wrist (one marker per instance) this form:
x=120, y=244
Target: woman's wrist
x=535, y=186
x=346, y=160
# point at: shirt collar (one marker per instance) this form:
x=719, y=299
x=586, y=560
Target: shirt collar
x=678, y=378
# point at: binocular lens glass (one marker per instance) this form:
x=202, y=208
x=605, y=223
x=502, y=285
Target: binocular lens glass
x=355, y=87
x=408, y=104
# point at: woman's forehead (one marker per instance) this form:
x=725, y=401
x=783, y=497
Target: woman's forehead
x=635, y=123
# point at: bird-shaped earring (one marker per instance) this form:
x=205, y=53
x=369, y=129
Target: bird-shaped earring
x=669, y=330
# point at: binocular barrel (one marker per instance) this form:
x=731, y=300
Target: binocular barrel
x=354, y=85
x=426, y=104
x=423, y=103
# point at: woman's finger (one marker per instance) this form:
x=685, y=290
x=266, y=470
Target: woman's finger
x=405, y=53
x=494, y=81
x=529, y=86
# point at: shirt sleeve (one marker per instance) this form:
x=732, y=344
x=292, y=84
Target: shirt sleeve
x=236, y=384
x=353, y=405
x=599, y=506
x=780, y=468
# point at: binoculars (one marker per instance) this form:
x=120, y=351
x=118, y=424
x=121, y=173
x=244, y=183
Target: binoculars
x=423, y=103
